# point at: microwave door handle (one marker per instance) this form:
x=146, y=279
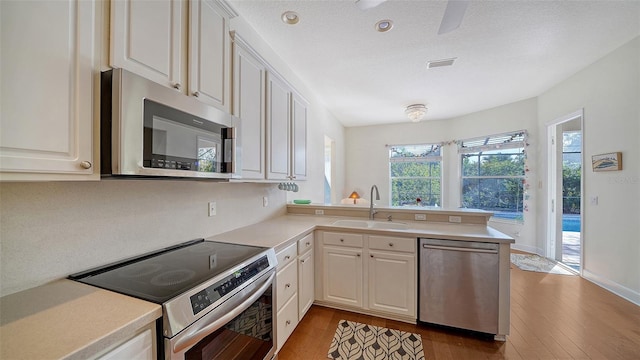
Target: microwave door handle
x=230, y=308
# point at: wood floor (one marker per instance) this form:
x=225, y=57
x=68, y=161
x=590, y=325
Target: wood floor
x=552, y=317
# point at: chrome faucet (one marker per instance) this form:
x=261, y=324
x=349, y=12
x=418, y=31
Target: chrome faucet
x=371, y=210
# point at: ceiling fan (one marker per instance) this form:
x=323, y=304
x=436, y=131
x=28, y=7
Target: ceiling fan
x=451, y=19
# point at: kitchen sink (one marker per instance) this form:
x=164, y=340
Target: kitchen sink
x=364, y=224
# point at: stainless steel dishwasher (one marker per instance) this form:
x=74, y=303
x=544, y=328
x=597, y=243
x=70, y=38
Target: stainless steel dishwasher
x=459, y=284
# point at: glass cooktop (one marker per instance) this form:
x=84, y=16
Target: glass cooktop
x=167, y=273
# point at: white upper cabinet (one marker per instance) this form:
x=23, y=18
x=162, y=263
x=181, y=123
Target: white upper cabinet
x=209, y=53
x=49, y=87
x=146, y=39
x=299, y=138
x=249, y=76
x=278, y=112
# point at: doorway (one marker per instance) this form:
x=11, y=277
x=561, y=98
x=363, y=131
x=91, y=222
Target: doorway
x=565, y=235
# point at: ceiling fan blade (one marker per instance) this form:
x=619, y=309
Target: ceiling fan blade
x=453, y=15
x=368, y=4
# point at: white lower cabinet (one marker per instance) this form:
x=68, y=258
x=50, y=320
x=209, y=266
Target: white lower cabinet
x=294, y=286
x=368, y=273
x=342, y=275
x=140, y=347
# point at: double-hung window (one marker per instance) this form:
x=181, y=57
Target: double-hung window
x=416, y=175
x=493, y=173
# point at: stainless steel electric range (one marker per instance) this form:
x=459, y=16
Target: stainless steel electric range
x=217, y=298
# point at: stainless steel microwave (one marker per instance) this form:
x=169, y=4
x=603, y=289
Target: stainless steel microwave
x=149, y=130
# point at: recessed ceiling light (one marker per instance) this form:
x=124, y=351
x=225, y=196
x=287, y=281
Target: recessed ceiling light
x=384, y=25
x=290, y=17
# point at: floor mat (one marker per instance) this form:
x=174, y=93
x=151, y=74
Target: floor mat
x=532, y=262
x=354, y=340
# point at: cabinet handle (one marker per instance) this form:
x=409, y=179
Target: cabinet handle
x=371, y=255
x=287, y=257
x=288, y=322
x=308, y=243
x=341, y=240
x=302, y=261
x=176, y=86
x=86, y=165
x=286, y=286
x=358, y=255
x=196, y=93
x=390, y=244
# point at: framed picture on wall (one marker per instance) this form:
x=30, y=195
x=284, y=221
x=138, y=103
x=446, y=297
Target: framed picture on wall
x=607, y=162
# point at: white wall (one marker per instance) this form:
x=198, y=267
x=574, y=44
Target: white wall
x=367, y=157
x=50, y=230
x=609, y=93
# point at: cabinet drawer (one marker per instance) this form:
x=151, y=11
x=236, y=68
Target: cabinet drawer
x=393, y=243
x=286, y=283
x=287, y=255
x=343, y=239
x=305, y=244
x=287, y=320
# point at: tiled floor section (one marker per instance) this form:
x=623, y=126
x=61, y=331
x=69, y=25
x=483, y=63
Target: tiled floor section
x=571, y=249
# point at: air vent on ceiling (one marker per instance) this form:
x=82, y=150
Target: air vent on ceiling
x=440, y=63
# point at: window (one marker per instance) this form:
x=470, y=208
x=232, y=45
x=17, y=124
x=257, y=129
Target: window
x=493, y=174
x=416, y=175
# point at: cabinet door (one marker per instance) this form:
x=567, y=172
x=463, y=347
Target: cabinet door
x=138, y=348
x=305, y=283
x=249, y=96
x=50, y=81
x=286, y=320
x=278, y=94
x=299, y=138
x=209, y=53
x=392, y=282
x=146, y=39
x=342, y=275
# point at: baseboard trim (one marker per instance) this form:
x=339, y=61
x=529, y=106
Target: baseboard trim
x=620, y=290
x=410, y=320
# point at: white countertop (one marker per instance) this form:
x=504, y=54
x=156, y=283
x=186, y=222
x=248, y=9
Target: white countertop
x=280, y=231
x=69, y=320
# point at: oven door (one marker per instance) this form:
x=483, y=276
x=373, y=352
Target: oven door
x=240, y=328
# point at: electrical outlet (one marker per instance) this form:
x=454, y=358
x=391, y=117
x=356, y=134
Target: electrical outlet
x=212, y=208
x=265, y=201
x=319, y=212
x=455, y=219
x=421, y=217
x=593, y=200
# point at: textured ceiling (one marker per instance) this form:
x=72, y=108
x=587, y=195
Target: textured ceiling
x=506, y=51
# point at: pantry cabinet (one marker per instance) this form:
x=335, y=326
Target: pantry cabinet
x=368, y=273
x=50, y=88
x=147, y=39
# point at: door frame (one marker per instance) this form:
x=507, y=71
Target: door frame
x=553, y=210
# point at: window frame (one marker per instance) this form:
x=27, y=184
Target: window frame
x=495, y=142
x=437, y=159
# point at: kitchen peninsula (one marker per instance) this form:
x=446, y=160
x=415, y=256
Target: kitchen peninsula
x=294, y=235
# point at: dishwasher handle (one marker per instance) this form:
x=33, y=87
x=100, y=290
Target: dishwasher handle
x=455, y=248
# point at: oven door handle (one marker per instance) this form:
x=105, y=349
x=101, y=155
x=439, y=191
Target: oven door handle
x=222, y=315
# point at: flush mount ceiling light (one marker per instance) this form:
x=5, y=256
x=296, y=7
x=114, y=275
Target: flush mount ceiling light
x=290, y=17
x=384, y=25
x=416, y=112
